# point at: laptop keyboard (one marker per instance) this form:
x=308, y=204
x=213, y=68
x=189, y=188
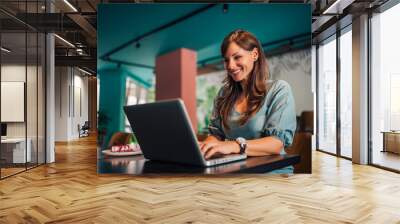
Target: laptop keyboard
x=222, y=157
x=216, y=157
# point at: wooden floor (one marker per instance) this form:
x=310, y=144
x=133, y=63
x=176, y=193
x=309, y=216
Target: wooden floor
x=70, y=191
x=10, y=171
x=386, y=159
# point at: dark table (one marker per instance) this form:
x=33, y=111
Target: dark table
x=138, y=165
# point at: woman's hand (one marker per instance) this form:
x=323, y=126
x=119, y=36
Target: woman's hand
x=212, y=148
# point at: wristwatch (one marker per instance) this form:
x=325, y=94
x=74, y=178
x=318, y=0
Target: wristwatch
x=242, y=144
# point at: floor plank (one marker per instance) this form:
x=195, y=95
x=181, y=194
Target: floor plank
x=386, y=159
x=70, y=191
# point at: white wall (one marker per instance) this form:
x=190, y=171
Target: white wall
x=16, y=72
x=71, y=94
x=62, y=82
x=295, y=68
x=79, y=117
x=33, y=127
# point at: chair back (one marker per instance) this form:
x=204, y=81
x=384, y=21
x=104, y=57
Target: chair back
x=301, y=146
x=306, y=121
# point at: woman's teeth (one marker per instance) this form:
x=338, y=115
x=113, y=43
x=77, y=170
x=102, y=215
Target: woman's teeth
x=236, y=71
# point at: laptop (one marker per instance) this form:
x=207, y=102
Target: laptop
x=164, y=133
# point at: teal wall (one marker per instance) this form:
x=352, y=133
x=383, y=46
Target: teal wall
x=112, y=97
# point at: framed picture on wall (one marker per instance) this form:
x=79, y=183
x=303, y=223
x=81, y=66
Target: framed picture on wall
x=12, y=101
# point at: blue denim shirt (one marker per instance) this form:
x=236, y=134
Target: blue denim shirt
x=277, y=117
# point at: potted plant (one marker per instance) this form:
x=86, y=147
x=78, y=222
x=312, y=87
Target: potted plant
x=102, y=122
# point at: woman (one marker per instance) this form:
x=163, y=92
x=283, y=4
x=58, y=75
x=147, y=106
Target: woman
x=251, y=114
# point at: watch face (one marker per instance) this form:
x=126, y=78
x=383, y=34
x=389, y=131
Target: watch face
x=242, y=143
x=241, y=140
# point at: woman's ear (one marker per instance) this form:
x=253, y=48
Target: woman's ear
x=254, y=54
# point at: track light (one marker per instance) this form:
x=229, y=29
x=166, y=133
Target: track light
x=70, y=5
x=84, y=71
x=5, y=50
x=79, y=51
x=337, y=7
x=225, y=8
x=64, y=40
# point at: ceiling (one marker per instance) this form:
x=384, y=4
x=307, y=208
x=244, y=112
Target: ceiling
x=97, y=29
x=202, y=29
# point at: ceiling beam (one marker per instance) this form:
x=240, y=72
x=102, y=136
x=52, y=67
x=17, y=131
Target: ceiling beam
x=44, y=22
x=337, y=7
x=75, y=61
x=107, y=55
x=86, y=26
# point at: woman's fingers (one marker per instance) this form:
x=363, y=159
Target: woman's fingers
x=204, y=145
x=210, y=153
x=210, y=149
x=207, y=146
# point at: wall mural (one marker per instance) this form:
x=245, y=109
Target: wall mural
x=284, y=63
x=207, y=88
x=284, y=66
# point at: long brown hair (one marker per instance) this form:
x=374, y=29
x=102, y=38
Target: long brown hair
x=256, y=83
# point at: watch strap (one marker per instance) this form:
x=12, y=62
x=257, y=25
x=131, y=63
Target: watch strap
x=242, y=144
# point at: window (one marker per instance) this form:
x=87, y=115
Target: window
x=135, y=94
x=327, y=95
x=22, y=63
x=385, y=85
x=346, y=92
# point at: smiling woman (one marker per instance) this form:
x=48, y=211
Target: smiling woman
x=180, y=52
x=252, y=114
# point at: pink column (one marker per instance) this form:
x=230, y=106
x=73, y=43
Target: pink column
x=176, y=78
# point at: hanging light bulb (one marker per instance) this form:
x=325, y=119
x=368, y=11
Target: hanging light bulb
x=225, y=8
